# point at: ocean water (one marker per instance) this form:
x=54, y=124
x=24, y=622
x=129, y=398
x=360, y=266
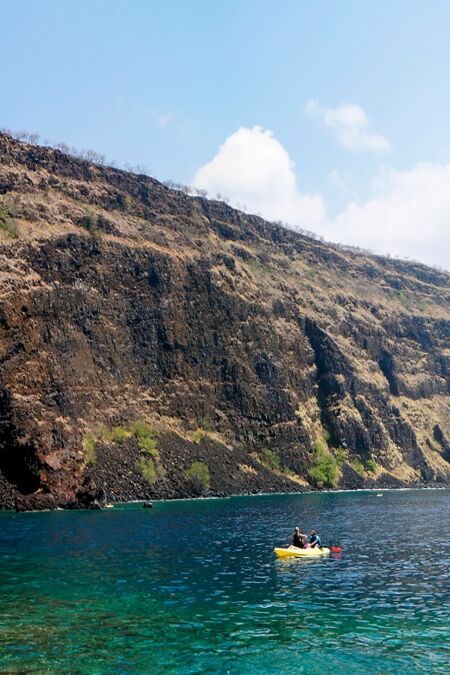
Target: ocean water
x=194, y=587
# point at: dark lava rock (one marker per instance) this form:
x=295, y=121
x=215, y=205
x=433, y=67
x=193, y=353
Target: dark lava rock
x=122, y=300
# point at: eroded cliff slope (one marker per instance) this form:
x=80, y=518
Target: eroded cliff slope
x=142, y=330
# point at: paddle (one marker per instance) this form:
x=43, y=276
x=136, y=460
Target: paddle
x=334, y=549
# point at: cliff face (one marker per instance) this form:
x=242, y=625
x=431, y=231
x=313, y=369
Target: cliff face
x=123, y=301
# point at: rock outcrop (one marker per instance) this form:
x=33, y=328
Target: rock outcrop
x=237, y=343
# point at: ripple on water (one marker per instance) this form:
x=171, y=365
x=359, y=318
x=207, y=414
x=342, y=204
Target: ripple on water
x=194, y=587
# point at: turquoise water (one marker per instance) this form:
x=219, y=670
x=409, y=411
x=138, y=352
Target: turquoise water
x=193, y=586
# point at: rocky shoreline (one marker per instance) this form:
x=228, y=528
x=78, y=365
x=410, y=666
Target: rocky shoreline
x=99, y=500
x=115, y=477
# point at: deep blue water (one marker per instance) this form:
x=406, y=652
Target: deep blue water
x=193, y=586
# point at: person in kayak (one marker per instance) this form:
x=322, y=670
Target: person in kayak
x=314, y=540
x=298, y=539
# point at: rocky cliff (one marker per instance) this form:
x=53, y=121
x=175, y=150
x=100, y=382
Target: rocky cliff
x=143, y=330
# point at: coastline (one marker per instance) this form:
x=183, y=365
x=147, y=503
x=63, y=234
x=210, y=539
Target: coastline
x=205, y=498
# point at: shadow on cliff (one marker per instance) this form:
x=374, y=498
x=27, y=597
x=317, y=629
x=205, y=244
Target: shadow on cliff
x=18, y=461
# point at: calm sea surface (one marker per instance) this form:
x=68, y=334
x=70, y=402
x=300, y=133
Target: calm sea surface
x=193, y=586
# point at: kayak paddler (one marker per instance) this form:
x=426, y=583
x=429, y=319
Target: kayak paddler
x=298, y=539
x=314, y=540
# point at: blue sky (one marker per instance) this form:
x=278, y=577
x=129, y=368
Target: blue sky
x=166, y=84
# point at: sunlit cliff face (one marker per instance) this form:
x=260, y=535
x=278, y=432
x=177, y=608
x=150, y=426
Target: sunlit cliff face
x=257, y=352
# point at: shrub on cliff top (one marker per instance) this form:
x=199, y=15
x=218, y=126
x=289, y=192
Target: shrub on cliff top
x=198, y=477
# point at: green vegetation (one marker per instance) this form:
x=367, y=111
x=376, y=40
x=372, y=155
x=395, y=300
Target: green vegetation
x=202, y=431
x=290, y=474
x=89, y=449
x=104, y=434
x=320, y=447
x=148, y=470
x=140, y=429
x=199, y=436
x=326, y=434
x=269, y=459
x=143, y=432
x=151, y=469
x=341, y=457
x=324, y=470
x=358, y=466
x=124, y=202
x=120, y=434
x=8, y=225
x=90, y=223
x=198, y=477
x=371, y=466
x=256, y=266
x=205, y=425
x=148, y=445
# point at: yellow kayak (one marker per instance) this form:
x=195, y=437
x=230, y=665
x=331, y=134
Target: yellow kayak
x=292, y=551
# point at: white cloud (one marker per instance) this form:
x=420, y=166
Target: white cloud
x=350, y=124
x=407, y=214
x=253, y=169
